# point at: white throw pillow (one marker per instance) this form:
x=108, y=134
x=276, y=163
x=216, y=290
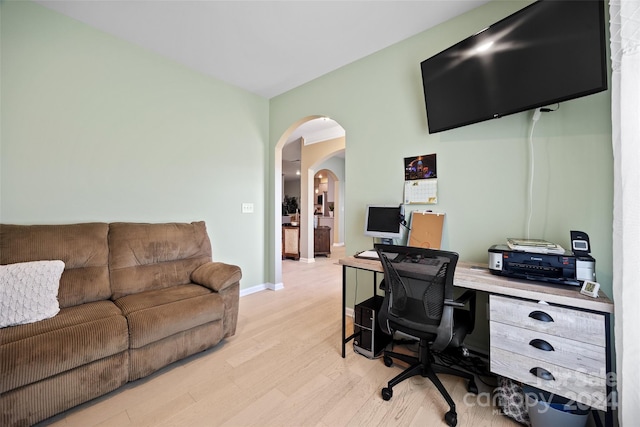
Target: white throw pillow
x=29, y=291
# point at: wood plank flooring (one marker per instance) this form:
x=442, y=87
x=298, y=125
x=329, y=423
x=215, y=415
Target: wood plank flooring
x=283, y=368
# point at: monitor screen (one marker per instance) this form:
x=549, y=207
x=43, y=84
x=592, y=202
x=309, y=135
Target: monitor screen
x=383, y=221
x=548, y=52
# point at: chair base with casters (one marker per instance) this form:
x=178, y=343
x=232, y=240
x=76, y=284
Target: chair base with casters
x=424, y=366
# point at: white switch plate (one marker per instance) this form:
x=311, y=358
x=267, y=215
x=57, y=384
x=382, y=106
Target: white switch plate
x=247, y=208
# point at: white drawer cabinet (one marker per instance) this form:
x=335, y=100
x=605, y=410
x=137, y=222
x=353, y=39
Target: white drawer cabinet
x=556, y=349
x=560, y=321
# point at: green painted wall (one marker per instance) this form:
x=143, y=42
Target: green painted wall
x=97, y=129
x=482, y=168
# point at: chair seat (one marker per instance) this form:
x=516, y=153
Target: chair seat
x=462, y=322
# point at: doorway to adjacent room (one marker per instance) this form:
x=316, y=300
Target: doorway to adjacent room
x=308, y=148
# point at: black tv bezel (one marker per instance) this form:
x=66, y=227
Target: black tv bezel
x=525, y=107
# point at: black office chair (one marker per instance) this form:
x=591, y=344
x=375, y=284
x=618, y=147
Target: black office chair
x=419, y=302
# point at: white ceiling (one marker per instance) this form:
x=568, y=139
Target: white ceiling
x=265, y=47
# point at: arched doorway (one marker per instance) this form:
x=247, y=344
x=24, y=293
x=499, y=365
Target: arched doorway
x=321, y=138
x=328, y=187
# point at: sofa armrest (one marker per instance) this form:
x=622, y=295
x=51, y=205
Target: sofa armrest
x=216, y=275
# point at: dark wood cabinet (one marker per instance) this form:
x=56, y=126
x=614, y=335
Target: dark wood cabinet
x=322, y=240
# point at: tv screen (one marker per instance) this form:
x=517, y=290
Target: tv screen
x=549, y=52
x=383, y=221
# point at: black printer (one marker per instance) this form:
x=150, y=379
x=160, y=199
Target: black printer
x=563, y=269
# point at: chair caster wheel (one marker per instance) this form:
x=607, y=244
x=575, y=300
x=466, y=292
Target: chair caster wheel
x=388, y=361
x=472, y=387
x=387, y=393
x=451, y=418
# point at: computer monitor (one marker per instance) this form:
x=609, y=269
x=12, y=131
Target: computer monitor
x=383, y=222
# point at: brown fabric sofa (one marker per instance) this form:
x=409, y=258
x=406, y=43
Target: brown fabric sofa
x=133, y=298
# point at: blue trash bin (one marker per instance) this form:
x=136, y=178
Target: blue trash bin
x=547, y=410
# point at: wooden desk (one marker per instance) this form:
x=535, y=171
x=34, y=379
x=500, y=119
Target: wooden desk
x=579, y=330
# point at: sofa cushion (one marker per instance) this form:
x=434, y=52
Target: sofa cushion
x=157, y=314
x=145, y=257
x=74, y=337
x=25, y=406
x=158, y=354
x=29, y=291
x=82, y=247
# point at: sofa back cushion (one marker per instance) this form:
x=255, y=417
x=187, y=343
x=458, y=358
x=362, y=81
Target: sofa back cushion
x=82, y=247
x=153, y=256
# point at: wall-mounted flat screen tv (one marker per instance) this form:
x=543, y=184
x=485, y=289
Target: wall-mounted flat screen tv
x=550, y=51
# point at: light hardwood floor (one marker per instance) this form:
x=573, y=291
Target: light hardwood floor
x=283, y=368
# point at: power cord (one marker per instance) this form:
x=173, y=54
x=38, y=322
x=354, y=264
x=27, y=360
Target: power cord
x=534, y=119
x=536, y=116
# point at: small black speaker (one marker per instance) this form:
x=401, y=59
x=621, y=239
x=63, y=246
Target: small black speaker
x=369, y=339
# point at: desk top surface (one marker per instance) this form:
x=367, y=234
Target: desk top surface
x=477, y=276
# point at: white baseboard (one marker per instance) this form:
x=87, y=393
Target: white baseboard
x=262, y=287
x=307, y=260
x=348, y=311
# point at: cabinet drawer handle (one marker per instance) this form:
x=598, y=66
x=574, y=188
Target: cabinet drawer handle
x=542, y=373
x=541, y=316
x=541, y=345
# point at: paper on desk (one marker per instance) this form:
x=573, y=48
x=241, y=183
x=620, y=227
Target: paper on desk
x=534, y=245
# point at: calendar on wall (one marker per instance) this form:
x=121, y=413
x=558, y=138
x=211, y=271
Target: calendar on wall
x=421, y=183
x=421, y=191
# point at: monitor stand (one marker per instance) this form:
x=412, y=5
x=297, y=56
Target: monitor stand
x=386, y=241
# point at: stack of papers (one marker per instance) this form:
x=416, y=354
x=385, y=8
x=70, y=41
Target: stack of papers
x=534, y=245
x=370, y=254
x=373, y=254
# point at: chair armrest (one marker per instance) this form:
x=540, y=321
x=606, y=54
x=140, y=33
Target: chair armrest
x=453, y=303
x=216, y=275
x=469, y=297
x=462, y=300
x=466, y=297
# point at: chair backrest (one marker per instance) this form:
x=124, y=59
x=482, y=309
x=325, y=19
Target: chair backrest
x=418, y=281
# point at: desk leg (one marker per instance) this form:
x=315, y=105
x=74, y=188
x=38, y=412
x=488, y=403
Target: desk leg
x=611, y=400
x=344, y=307
x=375, y=282
x=346, y=339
